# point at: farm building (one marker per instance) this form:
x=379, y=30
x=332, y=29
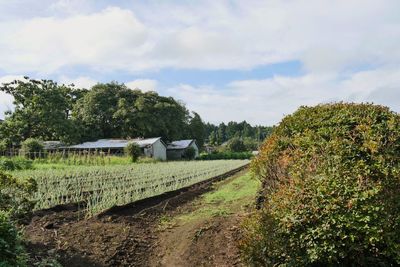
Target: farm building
x=151, y=147
x=176, y=149
x=52, y=145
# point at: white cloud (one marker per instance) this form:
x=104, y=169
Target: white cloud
x=104, y=41
x=79, y=82
x=325, y=35
x=143, y=84
x=267, y=101
x=333, y=40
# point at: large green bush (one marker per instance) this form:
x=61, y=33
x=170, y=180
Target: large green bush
x=331, y=190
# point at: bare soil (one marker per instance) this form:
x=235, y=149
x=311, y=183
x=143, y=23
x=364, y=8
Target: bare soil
x=132, y=235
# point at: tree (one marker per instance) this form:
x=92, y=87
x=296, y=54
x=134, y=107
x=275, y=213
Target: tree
x=197, y=129
x=250, y=144
x=42, y=110
x=96, y=110
x=236, y=145
x=113, y=110
x=221, y=135
x=133, y=150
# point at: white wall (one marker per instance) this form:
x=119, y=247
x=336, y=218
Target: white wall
x=159, y=150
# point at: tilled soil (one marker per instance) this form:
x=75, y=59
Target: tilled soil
x=130, y=235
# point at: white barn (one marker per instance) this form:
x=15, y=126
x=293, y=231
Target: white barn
x=176, y=149
x=151, y=147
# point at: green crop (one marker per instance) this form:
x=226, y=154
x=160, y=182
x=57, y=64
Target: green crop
x=102, y=187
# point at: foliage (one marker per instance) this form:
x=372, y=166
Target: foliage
x=190, y=153
x=112, y=110
x=225, y=155
x=250, y=144
x=11, y=251
x=15, y=163
x=103, y=187
x=42, y=109
x=197, y=129
x=30, y=147
x=15, y=196
x=15, y=204
x=133, y=151
x=217, y=135
x=330, y=193
x=236, y=145
x=3, y=147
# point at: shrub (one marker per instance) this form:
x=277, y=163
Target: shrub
x=330, y=189
x=15, y=196
x=15, y=163
x=133, y=151
x=31, y=148
x=190, y=153
x=15, y=204
x=11, y=251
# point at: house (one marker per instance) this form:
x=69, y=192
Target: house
x=151, y=147
x=176, y=149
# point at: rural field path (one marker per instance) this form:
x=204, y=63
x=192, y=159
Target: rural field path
x=198, y=227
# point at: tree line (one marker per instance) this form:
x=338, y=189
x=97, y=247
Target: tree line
x=47, y=110
x=238, y=134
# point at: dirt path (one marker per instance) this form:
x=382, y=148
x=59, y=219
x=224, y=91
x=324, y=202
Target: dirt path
x=197, y=227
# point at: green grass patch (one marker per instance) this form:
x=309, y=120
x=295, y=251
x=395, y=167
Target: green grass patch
x=229, y=197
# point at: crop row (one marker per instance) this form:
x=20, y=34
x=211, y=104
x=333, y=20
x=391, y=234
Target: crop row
x=102, y=187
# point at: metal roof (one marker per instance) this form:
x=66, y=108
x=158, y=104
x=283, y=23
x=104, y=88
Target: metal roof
x=180, y=144
x=52, y=144
x=114, y=143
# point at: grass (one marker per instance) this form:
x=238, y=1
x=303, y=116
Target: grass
x=229, y=197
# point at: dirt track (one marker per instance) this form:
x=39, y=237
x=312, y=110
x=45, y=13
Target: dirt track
x=130, y=235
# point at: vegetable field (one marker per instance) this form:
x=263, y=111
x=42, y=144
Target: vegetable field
x=103, y=187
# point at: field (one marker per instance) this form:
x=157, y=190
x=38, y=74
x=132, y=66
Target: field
x=102, y=187
x=198, y=226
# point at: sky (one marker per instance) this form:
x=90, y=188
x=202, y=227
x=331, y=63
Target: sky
x=227, y=60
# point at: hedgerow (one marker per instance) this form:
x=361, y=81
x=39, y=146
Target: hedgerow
x=331, y=190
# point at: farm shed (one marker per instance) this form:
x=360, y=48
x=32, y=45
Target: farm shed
x=52, y=145
x=176, y=149
x=151, y=147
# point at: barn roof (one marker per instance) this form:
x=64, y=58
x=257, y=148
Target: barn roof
x=180, y=144
x=115, y=143
x=52, y=144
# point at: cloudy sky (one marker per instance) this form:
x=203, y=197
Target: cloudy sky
x=227, y=60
